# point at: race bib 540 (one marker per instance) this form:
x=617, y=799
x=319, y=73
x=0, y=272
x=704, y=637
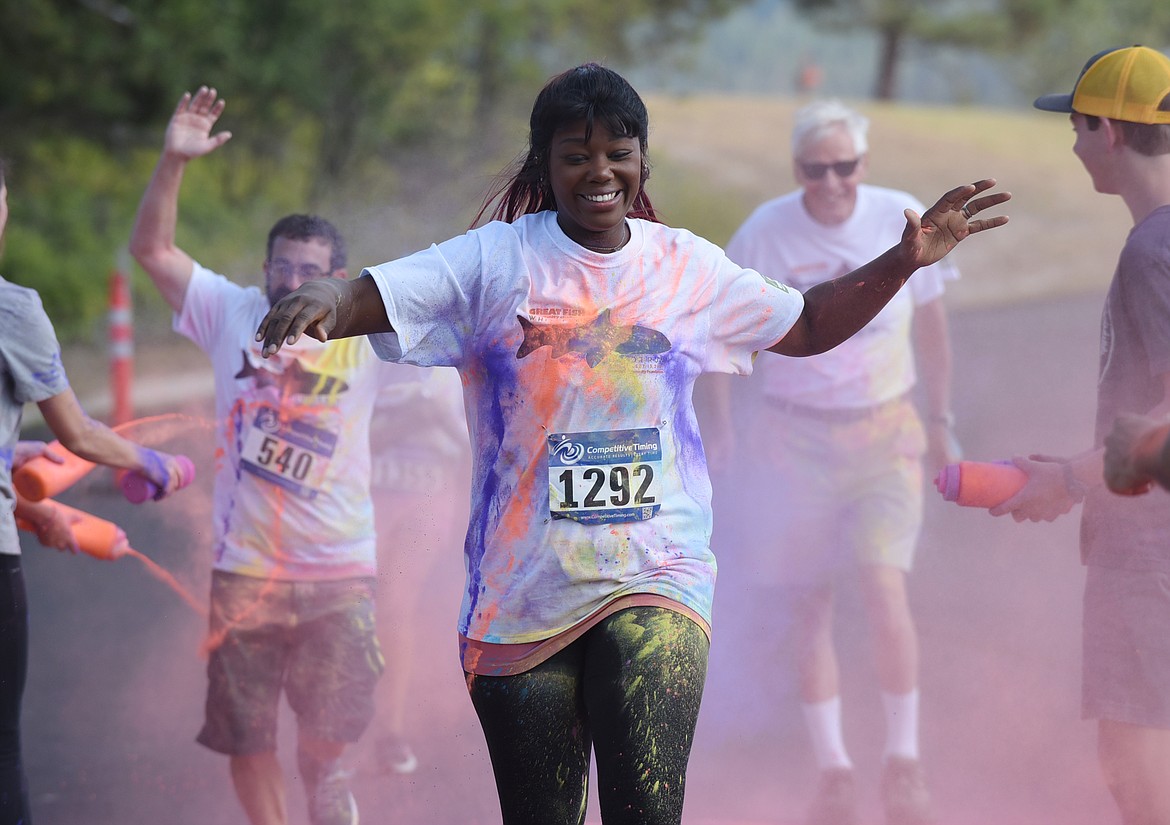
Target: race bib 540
x=290, y=453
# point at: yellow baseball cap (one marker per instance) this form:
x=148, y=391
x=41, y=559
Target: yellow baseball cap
x=1120, y=84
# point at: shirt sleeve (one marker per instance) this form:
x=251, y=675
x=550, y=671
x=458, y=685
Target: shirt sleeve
x=743, y=248
x=750, y=313
x=33, y=356
x=1148, y=303
x=202, y=315
x=431, y=299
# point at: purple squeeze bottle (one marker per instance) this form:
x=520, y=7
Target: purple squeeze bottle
x=138, y=488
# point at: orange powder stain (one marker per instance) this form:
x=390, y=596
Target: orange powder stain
x=166, y=578
x=215, y=639
x=162, y=427
x=615, y=391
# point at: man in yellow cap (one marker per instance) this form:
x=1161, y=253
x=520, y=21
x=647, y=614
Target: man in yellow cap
x=1120, y=113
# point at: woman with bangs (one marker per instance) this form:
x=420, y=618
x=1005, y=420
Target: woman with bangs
x=579, y=324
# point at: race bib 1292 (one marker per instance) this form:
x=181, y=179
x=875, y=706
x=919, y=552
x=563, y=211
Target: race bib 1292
x=605, y=477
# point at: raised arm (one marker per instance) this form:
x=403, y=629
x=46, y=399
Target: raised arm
x=835, y=310
x=152, y=242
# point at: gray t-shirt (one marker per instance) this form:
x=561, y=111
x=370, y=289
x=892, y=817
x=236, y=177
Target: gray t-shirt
x=1127, y=531
x=30, y=371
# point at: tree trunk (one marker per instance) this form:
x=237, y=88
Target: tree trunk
x=892, y=38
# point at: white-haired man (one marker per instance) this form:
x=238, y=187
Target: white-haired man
x=845, y=446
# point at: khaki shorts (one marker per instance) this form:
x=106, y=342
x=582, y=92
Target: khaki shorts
x=313, y=640
x=847, y=490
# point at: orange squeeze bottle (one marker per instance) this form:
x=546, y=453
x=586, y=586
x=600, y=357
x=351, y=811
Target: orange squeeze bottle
x=95, y=536
x=980, y=483
x=41, y=478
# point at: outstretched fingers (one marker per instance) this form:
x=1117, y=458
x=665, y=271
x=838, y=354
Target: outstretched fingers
x=968, y=202
x=189, y=132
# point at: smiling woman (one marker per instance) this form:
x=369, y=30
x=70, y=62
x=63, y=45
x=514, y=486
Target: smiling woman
x=579, y=324
x=595, y=176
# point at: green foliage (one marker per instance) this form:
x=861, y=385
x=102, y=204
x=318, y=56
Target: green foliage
x=1086, y=27
x=319, y=96
x=111, y=70
x=66, y=224
x=1047, y=39
x=69, y=222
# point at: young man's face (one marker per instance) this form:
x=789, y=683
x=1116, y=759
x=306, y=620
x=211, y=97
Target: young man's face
x=1092, y=147
x=3, y=207
x=294, y=263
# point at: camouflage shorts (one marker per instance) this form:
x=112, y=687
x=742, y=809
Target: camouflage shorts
x=313, y=640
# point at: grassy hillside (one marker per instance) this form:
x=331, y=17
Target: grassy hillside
x=717, y=157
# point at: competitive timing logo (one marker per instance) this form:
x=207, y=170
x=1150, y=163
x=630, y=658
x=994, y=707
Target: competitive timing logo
x=593, y=341
x=268, y=420
x=569, y=452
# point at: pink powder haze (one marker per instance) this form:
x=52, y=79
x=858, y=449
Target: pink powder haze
x=116, y=682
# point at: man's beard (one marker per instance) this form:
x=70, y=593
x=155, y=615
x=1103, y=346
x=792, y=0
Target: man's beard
x=275, y=293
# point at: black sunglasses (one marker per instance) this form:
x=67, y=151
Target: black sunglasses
x=816, y=171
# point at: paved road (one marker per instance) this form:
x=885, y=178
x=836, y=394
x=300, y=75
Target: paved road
x=116, y=682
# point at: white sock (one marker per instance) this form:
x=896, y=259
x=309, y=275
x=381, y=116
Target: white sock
x=901, y=724
x=823, y=720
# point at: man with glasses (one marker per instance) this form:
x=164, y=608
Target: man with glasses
x=845, y=445
x=292, y=595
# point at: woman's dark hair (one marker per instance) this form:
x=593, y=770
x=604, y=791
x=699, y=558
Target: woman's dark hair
x=589, y=93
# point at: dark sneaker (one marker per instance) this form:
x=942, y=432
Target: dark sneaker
x=836, y=799
x=904, y=794
x=394, y=755
x=332, y=803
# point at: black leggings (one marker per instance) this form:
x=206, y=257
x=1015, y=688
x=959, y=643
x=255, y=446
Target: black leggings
x=630, y=689
x=13, y=669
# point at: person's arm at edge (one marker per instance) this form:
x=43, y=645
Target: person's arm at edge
x=94, y=441
x=1088, y=468
x=52, y=527
x=1150, y=458
x=1071, y=478
x=1136, y=450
